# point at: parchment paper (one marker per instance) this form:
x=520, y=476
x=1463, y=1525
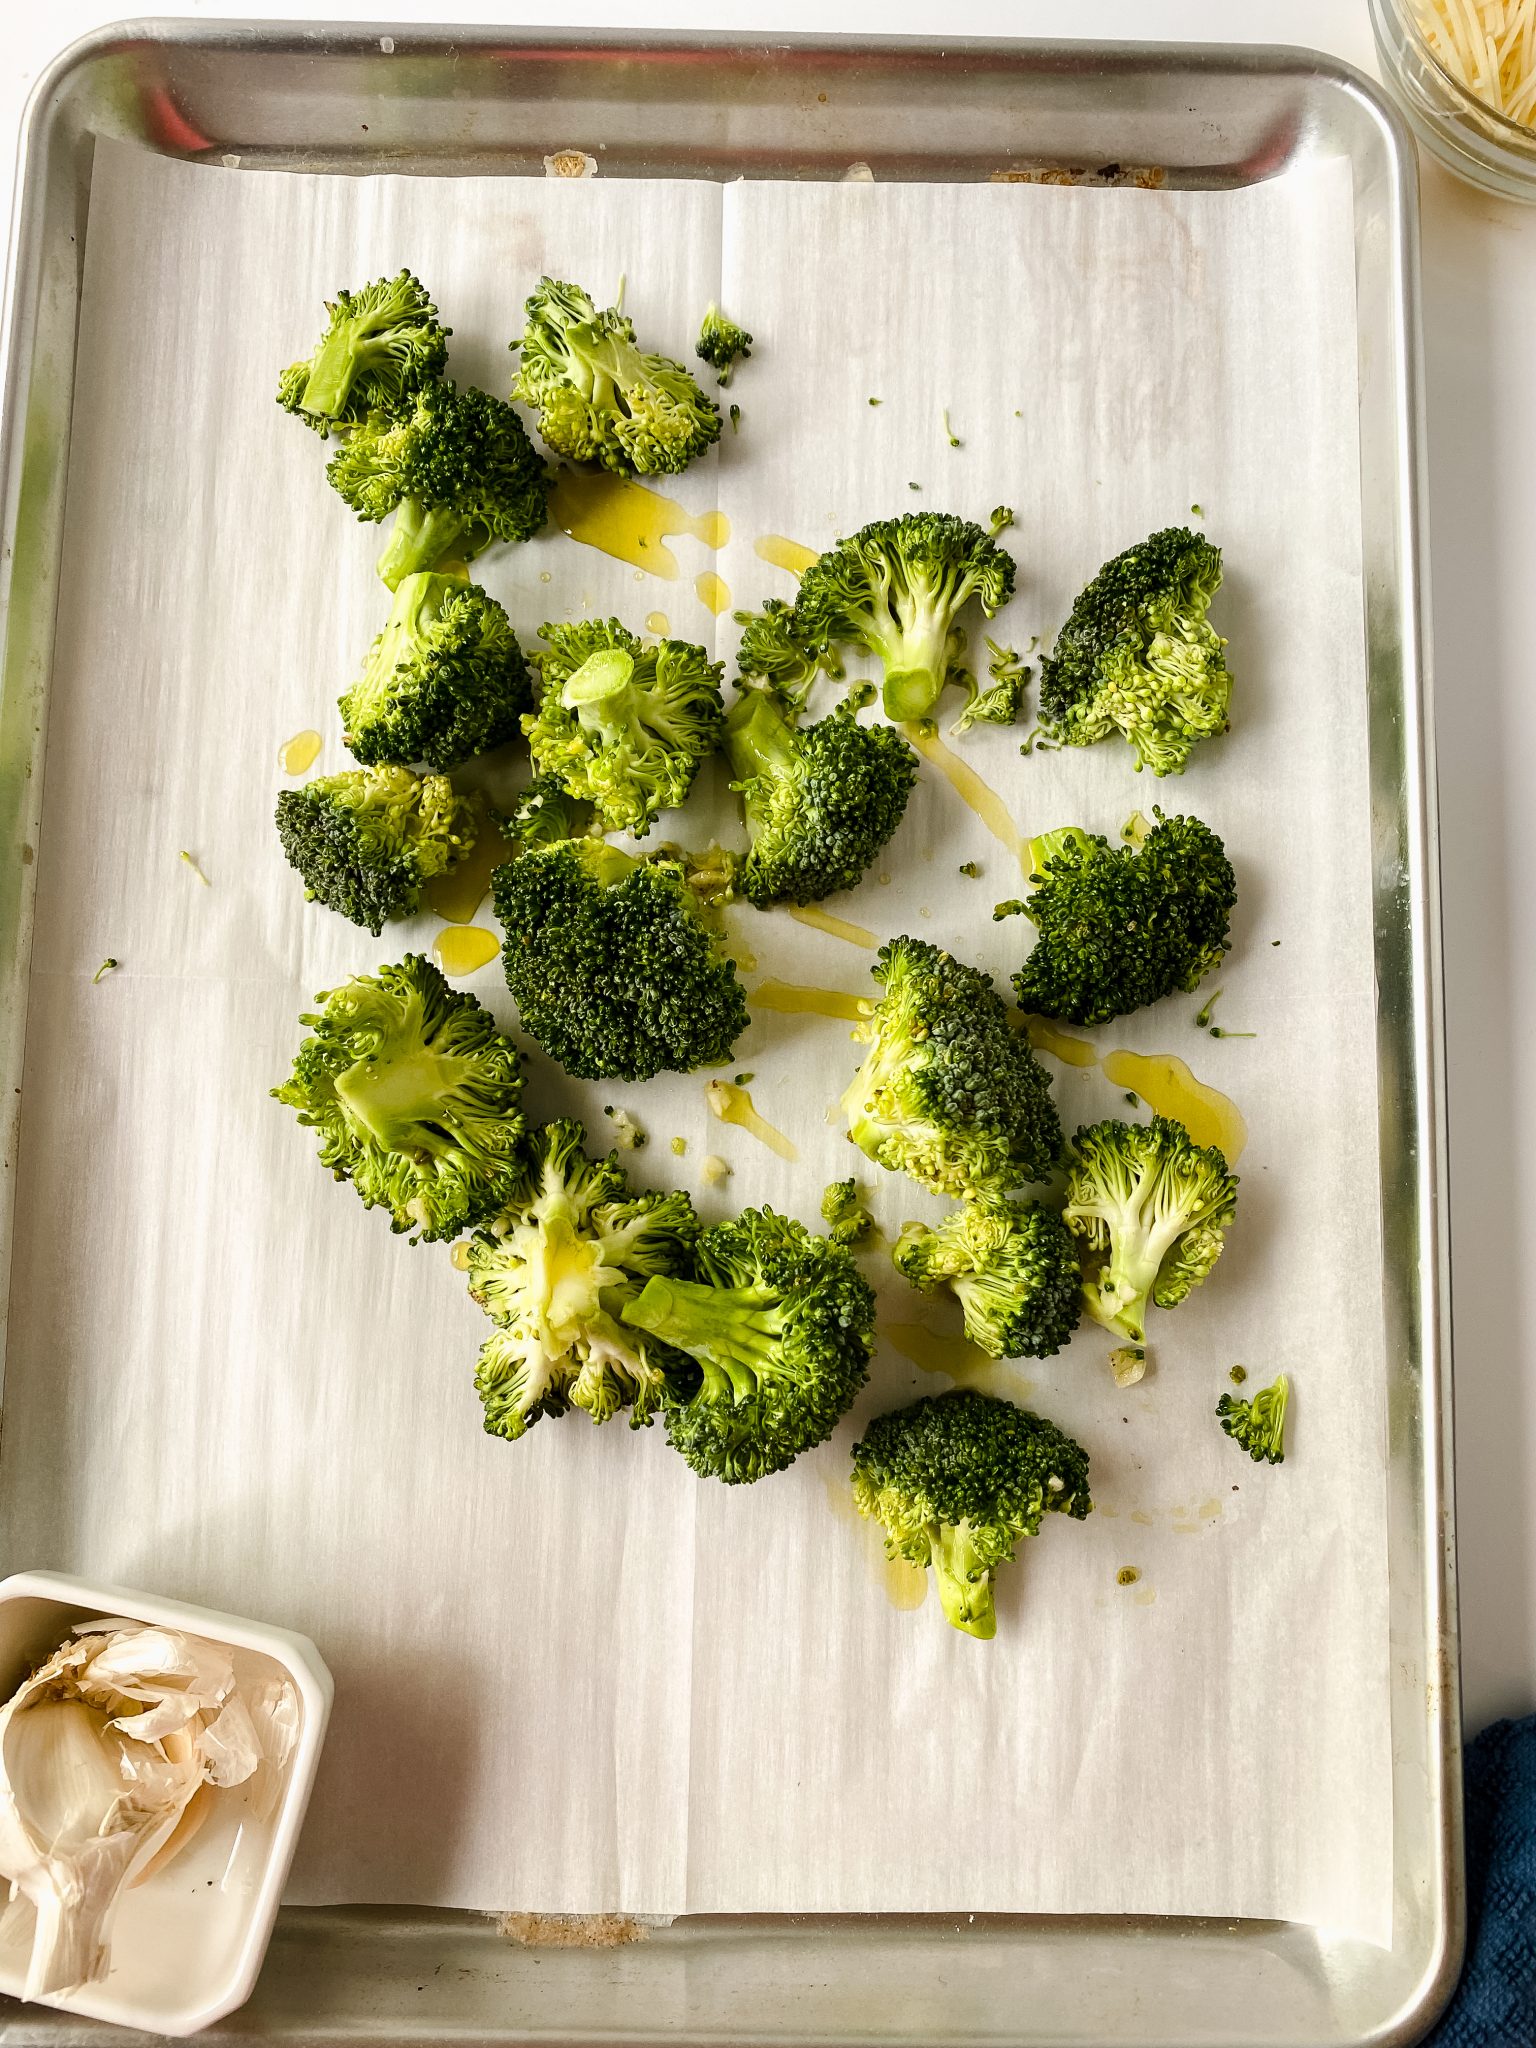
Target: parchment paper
x=570, y=1677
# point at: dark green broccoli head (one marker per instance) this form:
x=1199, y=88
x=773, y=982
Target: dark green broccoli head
x=615, y=971
x=842, y=1210
x=775, y=649
x=366, y=843
x=1122, y=926
x=1013, y=1269
x=1139, y=657
x=457, y=470
x=776, y=1329
x=956, y=1481
x=553, y=1270
x=600, y=398
x=721, y=343
x=820, y=800
x=622, y=725
x=444, y=680
x=949, y=1092
x=381, y=345
x=896, y=589
x=1258, y=1425
x=415, y=1095
x=1153, y=1209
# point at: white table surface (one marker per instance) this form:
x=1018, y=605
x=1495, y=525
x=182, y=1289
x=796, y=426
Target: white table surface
x=1480, y=283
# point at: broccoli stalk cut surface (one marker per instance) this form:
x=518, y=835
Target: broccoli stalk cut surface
x=820, y=801
x=444, y=680
x=602, y=399
x=571, y=1247
x=366, y=843
x=1122, y=926
x=415, y=1095
x=623, y=726
x=776, y=649
x=1013, y=1269
x=842, y=1210
x=957, y=1481
x=896, y=589
x=949, y=1092
x=1153, y=1209
x=776, y=1332
x=721, y=343
x=382, y=343
x=1258, y=1424
x=1138, y=655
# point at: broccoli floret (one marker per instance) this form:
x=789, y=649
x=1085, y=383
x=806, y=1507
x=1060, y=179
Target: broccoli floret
x=1153, y=1208
x=443, y=681
x=842, y=1210
x=572, y=1245
x=1122, y=926
x=721, y=343
x=1001, y=704
x=600, y=398
x=820, y=801
x=622, y=725
x=544, y=814
x=776, y=1330
x=614, y=969
x=1139, y=657
x=896, y=589
x=949, y=1092
x=457, y=470
x=1258, y=1424
x=775, y=649
x=414, y=1093
x=956, y=1481
x=382, y=343
x=366, y=842
x=1012, y=1267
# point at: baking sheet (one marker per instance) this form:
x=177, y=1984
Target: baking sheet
x=227, y=1381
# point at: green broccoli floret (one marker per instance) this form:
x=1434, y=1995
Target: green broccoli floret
x=896, y=589
x=721, y=343
x=415, y=1094
x=366, y=842
x=956, y=1481
x=572, y=1245
x=381, y=344
x=600, y=398
x=842, y=1210
x=776, y=1330
x=1012, y=1267
x=622, y=725
x=775, y=649
x=1002, y=703
x=1139, y=657
x=1122, y=926
x=614, y=969
x=1258, y=1425
x=820, y=800
x=1153, y=1208
x=544, y=813
x=949, y=1092
x=457, y=470
x=443, y=681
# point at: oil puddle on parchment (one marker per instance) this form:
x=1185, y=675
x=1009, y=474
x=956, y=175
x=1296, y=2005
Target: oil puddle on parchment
x=630, y=522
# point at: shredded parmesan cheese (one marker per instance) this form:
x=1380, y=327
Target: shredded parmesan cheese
x=1489, y=46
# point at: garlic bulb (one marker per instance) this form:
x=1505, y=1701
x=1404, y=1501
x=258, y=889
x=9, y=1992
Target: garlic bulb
x=102, y=1751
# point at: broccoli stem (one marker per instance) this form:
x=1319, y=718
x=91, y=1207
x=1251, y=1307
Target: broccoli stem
x=397, y=1096
x=733, y=1332
x=335, y=366
x=422, y=537
x=759, y=740
x=916, y=662
x=1044, y=848
x=965, y=1585
x=599, y=693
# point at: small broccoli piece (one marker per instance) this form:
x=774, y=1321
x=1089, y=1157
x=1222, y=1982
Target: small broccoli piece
x=366, y=842
x=1120, y=927
x=957, y=1481
x=896, y=589
x=1128, y=1364
x=628, y=1131
x=721, y=342
x=1013, y=1269
x=600, y=398
x=1258, y=1424
x=949, y=1092
x=820, y=800
x=457, y=470
x=1001, y=704
x=1153, y=1208
x=622, y=725
x=415, y=1095
x=613, y=967
x=1139, y=657
x=443, y=681
x=382, y=344
x=842, y=1210
x=776, y=650
x=545, y=814
x=571, y=1246
x=108, y=966
x=777, y=1330
x=716, y=1171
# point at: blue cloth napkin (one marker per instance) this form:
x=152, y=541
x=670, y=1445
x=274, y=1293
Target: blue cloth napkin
x=1495, y=2003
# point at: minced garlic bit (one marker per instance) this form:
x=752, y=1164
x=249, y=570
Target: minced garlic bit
x=716, y=1171
x=1490, y=46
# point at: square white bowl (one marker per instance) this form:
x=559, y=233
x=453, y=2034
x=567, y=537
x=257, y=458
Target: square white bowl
x=188, y=1942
